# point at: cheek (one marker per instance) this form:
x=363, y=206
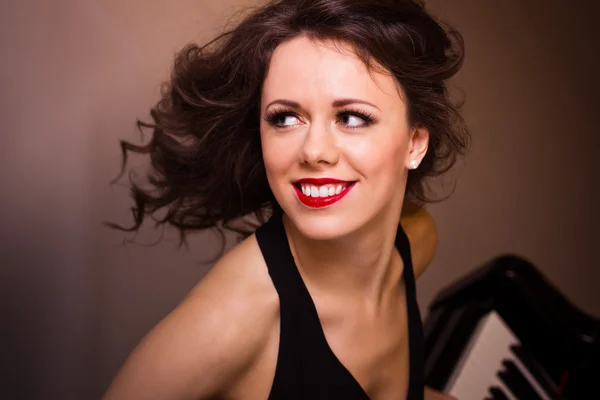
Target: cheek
x=267, y=150
x=271, y=167
x=388, y=168
x=276, y=156
x=379, y=157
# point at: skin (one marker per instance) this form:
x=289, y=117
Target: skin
x=222, y=340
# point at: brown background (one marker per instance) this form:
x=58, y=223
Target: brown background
x=75, y=74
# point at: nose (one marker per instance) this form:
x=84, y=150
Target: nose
x=319, y=147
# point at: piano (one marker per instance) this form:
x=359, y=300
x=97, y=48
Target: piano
x=504, y=332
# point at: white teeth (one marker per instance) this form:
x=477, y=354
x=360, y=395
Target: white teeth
x=322, y=191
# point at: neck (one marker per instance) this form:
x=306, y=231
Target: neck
x=361, y=266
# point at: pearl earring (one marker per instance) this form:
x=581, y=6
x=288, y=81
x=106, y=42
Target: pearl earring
x=414, y=164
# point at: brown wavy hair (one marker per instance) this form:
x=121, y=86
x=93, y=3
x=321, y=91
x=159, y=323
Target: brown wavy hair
x=207, y=169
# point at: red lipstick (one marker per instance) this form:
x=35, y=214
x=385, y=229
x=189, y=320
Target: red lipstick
x=320, y=202
x=321, y=181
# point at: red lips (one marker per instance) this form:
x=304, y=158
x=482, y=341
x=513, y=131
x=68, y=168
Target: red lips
x=320, y=181
x=320, y=202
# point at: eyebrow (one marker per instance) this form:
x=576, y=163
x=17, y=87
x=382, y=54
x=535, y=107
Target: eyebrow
x=336, y=103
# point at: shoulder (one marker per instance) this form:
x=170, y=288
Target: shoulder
x=240, y=277
x=422, y=234
x=211, y=339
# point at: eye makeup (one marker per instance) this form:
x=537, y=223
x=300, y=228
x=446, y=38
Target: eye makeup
x=275, y=116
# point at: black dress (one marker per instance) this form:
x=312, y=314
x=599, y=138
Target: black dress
x=306, y=367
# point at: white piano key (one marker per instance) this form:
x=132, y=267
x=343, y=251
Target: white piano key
x=482, y=359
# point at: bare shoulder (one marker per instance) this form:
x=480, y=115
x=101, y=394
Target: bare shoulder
x=211, y=339
x=422, y=234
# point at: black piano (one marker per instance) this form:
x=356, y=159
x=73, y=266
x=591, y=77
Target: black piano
x=504, y=332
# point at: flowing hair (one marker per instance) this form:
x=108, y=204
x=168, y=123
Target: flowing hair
x=206, y=166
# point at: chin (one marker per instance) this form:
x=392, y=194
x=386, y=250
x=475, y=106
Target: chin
x=323, y=226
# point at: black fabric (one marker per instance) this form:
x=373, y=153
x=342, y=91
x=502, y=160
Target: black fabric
x=306, y=367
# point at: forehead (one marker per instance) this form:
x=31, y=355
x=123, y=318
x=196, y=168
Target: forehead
x=306, y=69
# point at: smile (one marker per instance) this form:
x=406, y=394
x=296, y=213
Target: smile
x=319, y=193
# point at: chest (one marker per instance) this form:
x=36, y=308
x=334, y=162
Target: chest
x=370, y=356
x=374, y=350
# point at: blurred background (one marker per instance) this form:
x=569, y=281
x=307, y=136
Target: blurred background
x=75, y=75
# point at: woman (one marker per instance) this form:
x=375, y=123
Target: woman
x=324, y=117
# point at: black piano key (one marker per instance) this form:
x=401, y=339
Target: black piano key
x=497, y=393
x=516, y=382
x=536, y=370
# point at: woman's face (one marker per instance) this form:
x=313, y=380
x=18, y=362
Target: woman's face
x=335, y=139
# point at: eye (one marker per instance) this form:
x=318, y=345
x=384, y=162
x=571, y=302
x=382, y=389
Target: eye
x=352, y=121
x=282, y=119
x=287, y=120
x=355, y=119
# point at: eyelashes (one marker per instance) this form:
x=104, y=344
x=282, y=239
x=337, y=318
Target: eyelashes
x=277, y=116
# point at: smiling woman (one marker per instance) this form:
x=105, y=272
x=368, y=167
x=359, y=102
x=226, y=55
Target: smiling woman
x=338, y=121
x=323, y=118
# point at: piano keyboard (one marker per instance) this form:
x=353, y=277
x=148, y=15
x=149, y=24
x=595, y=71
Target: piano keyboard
x=504, y=332
x=493, y=366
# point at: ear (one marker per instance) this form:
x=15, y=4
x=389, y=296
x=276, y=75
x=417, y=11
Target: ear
x=417, y=147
